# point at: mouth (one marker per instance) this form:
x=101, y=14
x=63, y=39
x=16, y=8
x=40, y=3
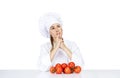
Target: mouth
x=57, y=33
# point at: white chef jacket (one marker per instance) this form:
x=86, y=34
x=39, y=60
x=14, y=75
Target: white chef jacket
x=44, y=61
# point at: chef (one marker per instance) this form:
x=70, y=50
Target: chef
x=57, y=50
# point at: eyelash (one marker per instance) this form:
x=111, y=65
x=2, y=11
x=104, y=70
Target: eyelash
x=58, y=26
x=53, y=28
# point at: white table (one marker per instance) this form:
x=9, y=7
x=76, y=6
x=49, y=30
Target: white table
x=38, y=74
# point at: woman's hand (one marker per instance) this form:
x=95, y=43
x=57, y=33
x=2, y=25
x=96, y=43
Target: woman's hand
x=66, y=49
x=57, y=42
x=62, y=45
x=56, y=46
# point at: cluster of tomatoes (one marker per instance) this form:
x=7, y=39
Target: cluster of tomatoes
x=65, y=68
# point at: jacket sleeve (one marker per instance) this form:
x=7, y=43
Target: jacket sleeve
x=44, y=61
x=76, y=55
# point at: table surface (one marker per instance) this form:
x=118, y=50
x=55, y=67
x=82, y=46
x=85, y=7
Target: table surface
x=38, y=74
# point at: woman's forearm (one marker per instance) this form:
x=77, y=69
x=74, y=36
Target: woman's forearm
x=52, y=53
x=68, y=52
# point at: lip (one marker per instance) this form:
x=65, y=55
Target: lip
x=57, y=33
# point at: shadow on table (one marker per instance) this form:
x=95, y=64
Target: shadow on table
x=50, y=75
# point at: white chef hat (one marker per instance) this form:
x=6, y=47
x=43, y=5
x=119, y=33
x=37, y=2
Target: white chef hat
x=46, y=21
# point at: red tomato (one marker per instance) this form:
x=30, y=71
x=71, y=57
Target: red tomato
x=71, y=64
x=57, y=65
x=67, y=70
x=77, y=69
x=64, y=65
x=52, y=69
x=59, y=70
x=72, y=70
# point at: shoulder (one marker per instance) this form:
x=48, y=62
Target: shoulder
x=70, y=44
x=46, y=45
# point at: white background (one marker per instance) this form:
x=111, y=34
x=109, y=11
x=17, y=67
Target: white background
x=93, y=24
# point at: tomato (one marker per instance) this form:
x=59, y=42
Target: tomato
x=57, y=65
x=67, y=70
x=59, y=70
x=72, y=70
x=77, y=69
x=64, y=65
x=52, y=69
x=71, y=64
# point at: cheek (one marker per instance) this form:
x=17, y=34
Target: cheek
x=61, y=31
x=52, y=33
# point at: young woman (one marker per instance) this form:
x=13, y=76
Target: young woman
x=57, y=50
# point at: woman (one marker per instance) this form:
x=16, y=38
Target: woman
x=57, y=50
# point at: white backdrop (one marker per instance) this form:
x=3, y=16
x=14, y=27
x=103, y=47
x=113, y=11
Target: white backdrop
x=93, y=24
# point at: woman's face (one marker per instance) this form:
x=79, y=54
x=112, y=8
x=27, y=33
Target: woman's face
x=56, y=30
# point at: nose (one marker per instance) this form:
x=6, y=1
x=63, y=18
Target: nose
x=57, y=29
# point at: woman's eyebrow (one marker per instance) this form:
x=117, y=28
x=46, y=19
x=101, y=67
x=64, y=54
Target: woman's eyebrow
x=58, y=25
x=51, y=26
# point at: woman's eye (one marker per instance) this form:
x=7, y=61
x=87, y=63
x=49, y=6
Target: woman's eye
x=52, y=28
x=58, y=26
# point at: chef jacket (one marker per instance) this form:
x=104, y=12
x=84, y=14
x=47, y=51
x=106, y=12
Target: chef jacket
x=44, y=62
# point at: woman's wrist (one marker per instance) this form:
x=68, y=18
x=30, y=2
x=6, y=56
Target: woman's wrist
x=68, y=52
x=52, y=52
